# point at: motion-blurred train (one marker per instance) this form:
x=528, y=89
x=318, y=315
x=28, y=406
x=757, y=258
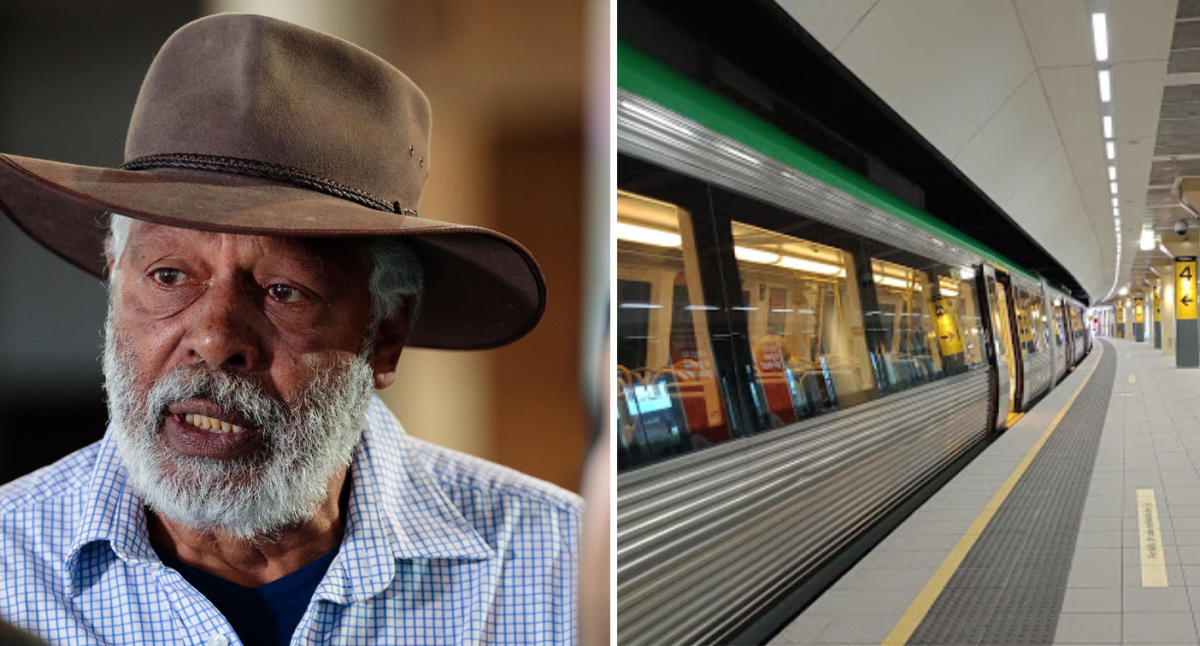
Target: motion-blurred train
x=798, y=352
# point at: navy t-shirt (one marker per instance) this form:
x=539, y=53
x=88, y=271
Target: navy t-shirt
x=265, y=615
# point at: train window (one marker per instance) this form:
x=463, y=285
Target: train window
x=804, y=320
x=668, y=397
x=1056, y=329
x=957, y=321
x=1031, y=320
x=928, y=324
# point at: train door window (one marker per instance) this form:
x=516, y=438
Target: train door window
x=804, y=320
x=1004, y=334
x=669, y=400
x=1056, y=328
x=1030, y=320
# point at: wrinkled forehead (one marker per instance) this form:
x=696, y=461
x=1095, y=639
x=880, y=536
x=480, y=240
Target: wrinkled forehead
x=148, y=241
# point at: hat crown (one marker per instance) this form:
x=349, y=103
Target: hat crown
x=253, y=88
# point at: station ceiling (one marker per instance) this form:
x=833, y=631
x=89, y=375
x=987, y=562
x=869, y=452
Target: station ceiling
x=1008, y=91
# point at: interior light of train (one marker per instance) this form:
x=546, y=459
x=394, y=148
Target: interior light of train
x=1105, y=86
x=898, y=283
x=1147, y=240
x=811, y=266
x=967, y=273
x=701, y=308
x=1107, y=121
x=1100, y=35
x=640, y=306
x=1110, y=149
x=1112, y=171
x=646, y=235
x=755, y=255
x=656, y=118
x=1112, y=186
x=743, y=308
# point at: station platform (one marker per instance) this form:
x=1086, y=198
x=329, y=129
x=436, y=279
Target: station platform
x=1078, y=525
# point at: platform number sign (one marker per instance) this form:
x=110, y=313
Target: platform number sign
x=1185, y=287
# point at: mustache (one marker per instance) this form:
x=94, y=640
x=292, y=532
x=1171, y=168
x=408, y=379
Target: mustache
x=246, y=395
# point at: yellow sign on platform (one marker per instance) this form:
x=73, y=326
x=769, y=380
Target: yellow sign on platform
x=1154, y=565
x=949, y=339
x=1157, y=306
x=1185, y=288
x=1120, y=313
x=1139, y=310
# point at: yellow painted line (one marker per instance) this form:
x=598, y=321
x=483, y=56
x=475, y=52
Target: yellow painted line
x=1154, y=566
x=920, y=606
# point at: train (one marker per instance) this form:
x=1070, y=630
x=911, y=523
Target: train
x=798, y=352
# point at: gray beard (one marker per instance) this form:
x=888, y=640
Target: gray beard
x=255, y=496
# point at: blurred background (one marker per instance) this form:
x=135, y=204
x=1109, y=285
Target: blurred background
x=520, y=143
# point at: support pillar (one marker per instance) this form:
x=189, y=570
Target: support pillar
x=1139, y=319
x=1187, y=336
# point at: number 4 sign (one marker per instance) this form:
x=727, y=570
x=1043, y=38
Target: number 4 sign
x=1185, y=287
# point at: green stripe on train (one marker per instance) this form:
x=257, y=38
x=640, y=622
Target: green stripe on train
x=646, y=77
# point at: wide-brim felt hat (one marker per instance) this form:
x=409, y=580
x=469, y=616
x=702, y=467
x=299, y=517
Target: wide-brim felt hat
x=247, y=124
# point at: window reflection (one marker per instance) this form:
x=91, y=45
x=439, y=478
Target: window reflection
x=669, y=401
x=804, y=320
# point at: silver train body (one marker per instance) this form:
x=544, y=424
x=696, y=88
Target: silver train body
x=730, y=496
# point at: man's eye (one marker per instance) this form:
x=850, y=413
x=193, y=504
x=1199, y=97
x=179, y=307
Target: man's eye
x=168, y=277
x=285, y=293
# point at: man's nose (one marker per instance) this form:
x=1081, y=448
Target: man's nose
x=224, y=332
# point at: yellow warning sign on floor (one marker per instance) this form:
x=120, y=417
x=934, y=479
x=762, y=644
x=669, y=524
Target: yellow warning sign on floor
x=1154, y=566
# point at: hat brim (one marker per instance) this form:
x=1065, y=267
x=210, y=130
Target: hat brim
x=482, y=288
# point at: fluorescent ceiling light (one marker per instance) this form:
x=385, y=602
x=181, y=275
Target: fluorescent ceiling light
x=1106, y=120
x=755, y=255
x=1117, y=212
x=646, y=235
x=1163, y=249
x=811, y=266
x=1146, y=243
x=1115, y=202
x=1110, y=149
x=1105, y=86
x=1112, y=171
x=1100, y=35
x=1112, y=186
x=1123, y=291
x=897, y=282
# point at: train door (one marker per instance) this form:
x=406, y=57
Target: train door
x=1011, y=330
x=999, y=344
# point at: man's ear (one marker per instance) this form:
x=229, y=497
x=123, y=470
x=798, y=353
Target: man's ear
x=389, y=342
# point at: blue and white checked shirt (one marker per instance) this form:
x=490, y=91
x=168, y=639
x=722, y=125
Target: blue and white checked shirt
x=440, y=548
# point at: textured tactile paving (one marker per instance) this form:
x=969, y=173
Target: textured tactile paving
x=1009, y=588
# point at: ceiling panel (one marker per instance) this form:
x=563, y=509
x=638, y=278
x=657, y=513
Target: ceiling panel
x=828, y=22
x=944, y=66
x=1070, y=91
x=1137, y=98
x=1059, y=33
x=1184, y=61
x=1140, y=30
x=1012, y=144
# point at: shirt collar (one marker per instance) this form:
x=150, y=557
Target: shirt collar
x=397, y=510
x=111, y=513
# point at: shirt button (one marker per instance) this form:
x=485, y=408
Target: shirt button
x=216, y=640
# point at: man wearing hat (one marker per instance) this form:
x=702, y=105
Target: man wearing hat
x=267, y=264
